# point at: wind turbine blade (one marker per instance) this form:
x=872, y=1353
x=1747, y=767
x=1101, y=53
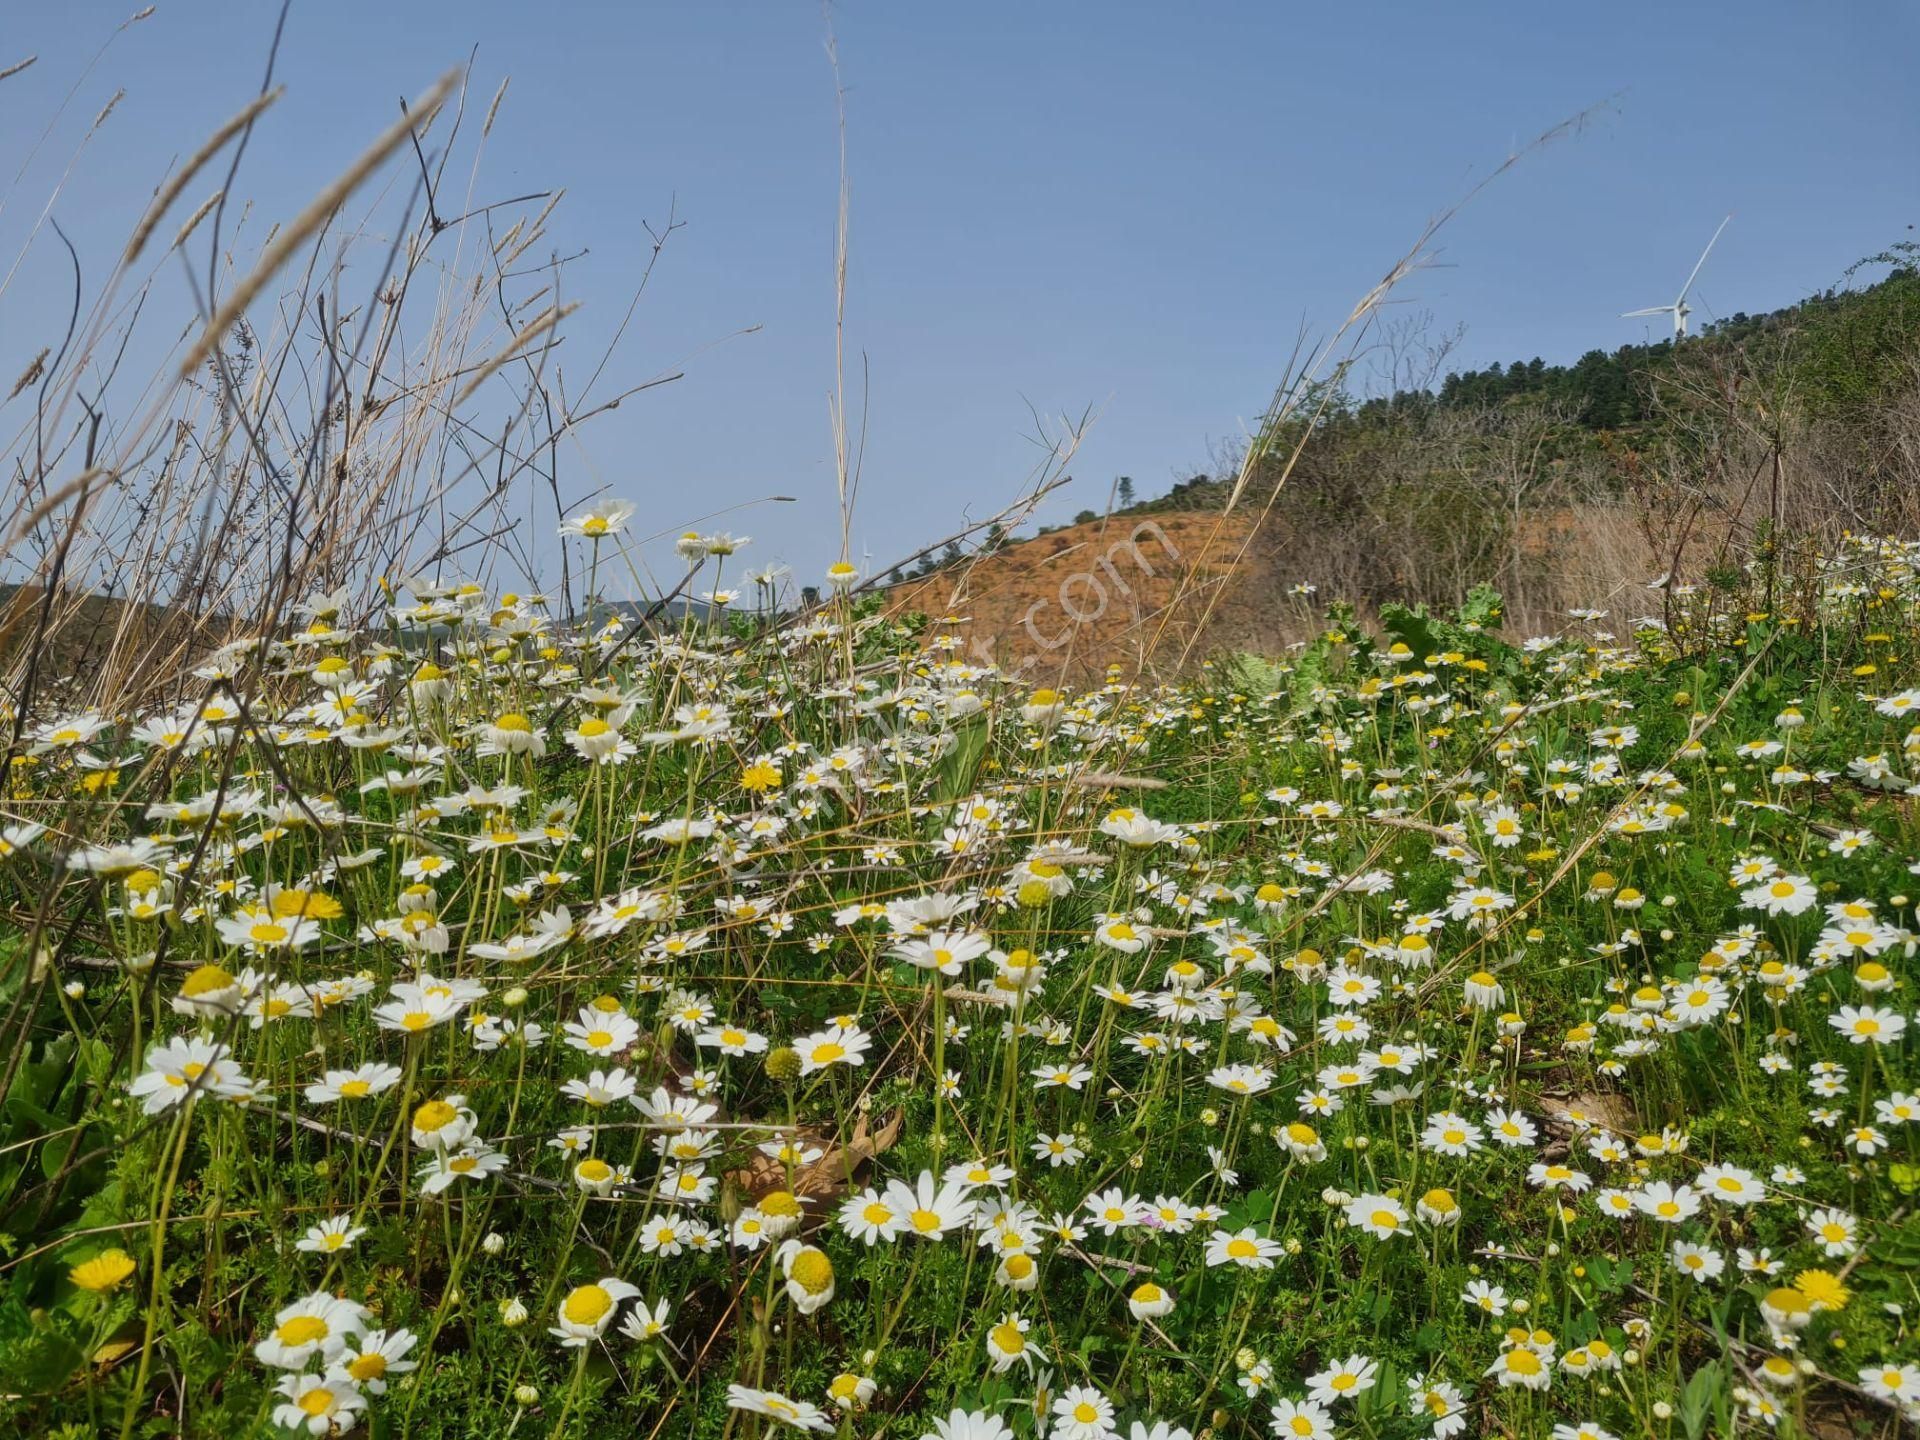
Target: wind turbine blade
x=1703, y=260
x=1652, y=310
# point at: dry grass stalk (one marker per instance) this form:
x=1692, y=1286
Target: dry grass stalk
x=193, y=220
x=183, y=177
x=547, y=320
x=76, y=486
x=499, y=95
x=280, y=249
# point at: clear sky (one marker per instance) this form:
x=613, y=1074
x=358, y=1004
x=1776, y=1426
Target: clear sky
x=1128, y=206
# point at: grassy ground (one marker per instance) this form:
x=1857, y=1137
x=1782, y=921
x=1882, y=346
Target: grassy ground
x=577, y=1033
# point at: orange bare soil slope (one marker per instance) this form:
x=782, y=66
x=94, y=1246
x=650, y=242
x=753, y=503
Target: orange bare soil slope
x=1154, y=593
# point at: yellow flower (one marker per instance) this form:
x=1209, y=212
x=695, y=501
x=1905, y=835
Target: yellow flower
x=760, y=777
x=315, y=904
x=1823, y=1289
x=105, y=1271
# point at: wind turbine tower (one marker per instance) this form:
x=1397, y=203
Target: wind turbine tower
x=1679, y=309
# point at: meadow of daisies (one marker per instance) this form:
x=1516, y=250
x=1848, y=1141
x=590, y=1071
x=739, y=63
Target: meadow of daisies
x=465, y=1022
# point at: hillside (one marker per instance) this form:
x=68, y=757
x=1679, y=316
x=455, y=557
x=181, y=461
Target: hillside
x=1565, y=484
x=1152, y=592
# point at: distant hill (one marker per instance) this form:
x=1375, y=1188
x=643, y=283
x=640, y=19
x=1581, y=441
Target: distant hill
x=85, y=630
x=1841, y=354
x=1573, y=484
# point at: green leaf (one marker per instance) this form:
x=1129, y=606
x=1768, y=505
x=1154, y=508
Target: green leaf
x=1413, y=627
x=46, y=1362
x=1697, y=1401
x=959, y=766
x=1899, y=1247
x=1483, y=606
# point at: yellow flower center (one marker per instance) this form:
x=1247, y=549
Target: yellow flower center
x=302, y=1330
x=367, y=1367
x=207, y=980
x=812, y=1271
x=586, y=1305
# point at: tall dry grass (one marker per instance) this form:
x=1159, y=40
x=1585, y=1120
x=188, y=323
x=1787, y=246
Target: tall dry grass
x=363, y=392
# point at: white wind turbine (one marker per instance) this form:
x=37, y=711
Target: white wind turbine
x=1679, y=309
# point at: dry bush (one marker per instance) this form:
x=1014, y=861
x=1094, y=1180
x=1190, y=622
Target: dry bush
x=1743, y=473
x=1421, y=504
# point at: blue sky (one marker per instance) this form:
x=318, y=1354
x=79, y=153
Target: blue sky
x=1130, y=207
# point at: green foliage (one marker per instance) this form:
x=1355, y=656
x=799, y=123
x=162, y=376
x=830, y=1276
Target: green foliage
x=1365, y=789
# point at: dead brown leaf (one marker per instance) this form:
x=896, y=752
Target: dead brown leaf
x=827, y=1178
